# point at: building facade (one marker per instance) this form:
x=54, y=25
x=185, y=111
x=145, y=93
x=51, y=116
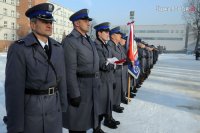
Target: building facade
x=172, y=37
x=62, y=25
x=8, y=22
x=15, y=25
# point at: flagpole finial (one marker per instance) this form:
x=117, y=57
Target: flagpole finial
x=130, y=22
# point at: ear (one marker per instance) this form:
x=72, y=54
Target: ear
x=32, y=25
x=76, y=23
x=99, y=33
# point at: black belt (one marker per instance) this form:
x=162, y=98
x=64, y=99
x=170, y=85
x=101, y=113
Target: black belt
x=50, y=91
x=91, y=75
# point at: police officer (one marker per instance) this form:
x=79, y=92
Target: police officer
x=124, y=71
x=117, y=51
x=82, y=68
x=107, y=76
x=35, y=86
x=142, y=60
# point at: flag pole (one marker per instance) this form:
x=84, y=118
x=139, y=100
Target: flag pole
x=129, y=75
x=129, y=90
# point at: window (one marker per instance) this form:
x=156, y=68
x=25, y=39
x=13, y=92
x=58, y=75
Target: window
x=13, y=25
x=5, y=11
x=12, y=13
x=13, y=36
x=5, y=24
x=162, y=38
x=17, y=2
x=151, y=31
x=5, y=36
x=12, y=2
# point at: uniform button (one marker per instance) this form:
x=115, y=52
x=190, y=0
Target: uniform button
x=45, y=114
x=58, y=110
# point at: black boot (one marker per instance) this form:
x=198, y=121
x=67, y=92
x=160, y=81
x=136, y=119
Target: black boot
x=116, y=122
x=134, y=90
x=124, y=100
x=138, y=86
x=132, y=95
x=118, y=109
x=109, y=123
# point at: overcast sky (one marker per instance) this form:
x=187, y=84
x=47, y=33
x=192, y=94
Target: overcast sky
x=117, y=11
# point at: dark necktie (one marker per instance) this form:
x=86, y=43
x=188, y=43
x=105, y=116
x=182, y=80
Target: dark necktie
x=118, y=47
x=46, y=48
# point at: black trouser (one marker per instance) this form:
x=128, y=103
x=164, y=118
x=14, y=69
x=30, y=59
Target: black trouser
x=99, y=124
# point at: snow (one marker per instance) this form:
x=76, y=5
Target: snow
x=167, y=102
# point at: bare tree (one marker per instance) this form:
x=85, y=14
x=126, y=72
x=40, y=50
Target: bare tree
x=192, y=16
x=92, y=32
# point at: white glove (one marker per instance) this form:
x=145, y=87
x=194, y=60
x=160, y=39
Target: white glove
x=111, y=61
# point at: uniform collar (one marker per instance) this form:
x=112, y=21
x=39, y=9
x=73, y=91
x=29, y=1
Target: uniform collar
x=77, y=34
x=30, y=40
x=98, y=41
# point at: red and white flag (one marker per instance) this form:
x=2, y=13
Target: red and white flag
x=132, y=47
x=132, y=54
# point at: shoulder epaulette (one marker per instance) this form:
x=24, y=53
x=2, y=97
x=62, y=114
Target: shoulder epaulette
x=20, y=41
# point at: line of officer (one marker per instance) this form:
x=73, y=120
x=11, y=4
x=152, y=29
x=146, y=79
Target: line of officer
x=147, y=56
x=35, y=86
x=107, y=76
x=82, y=70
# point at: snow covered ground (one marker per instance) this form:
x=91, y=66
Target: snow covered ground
x=167, y=102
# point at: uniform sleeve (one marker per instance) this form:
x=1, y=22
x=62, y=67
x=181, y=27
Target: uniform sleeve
x=70, y=53
x=14, y=88
x=62, y=84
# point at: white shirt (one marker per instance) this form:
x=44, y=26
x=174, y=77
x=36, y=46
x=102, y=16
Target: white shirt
x=43, y=43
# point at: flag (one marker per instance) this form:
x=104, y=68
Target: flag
x=132, y=54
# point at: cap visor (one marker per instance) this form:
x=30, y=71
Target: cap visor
x=47, y=19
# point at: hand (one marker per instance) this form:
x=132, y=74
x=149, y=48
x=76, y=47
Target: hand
x=5, y=119
x=114, y=85
x=75, y=101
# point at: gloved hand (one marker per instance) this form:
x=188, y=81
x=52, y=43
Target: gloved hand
x=114, y=85
x=75, y=101
x=5, y=119
x=111, y=60
x=127, y=62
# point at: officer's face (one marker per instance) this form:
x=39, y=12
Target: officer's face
x=42, y=28
x=83, y=25
x=104, y=35
x=118, y=37
x=143, y=46
x=122, y=41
